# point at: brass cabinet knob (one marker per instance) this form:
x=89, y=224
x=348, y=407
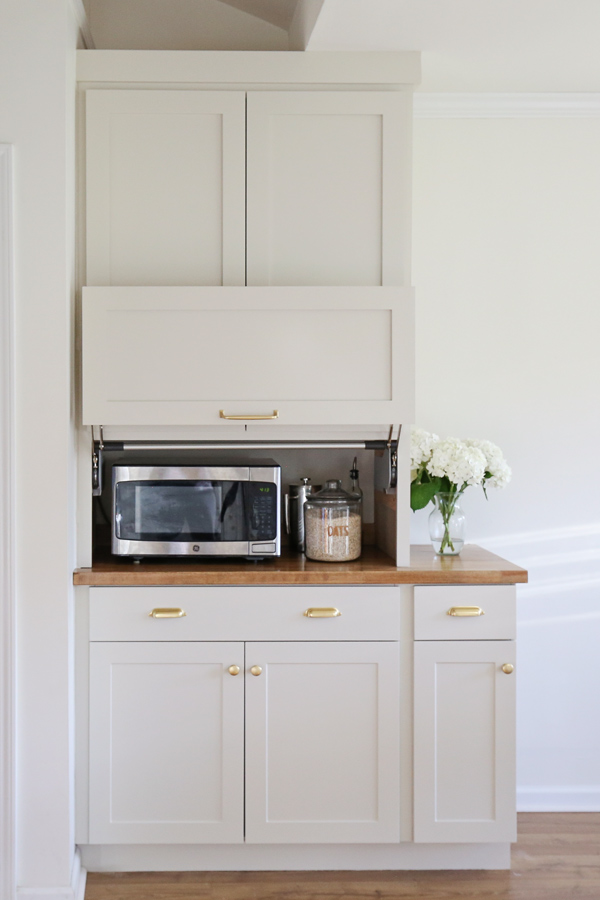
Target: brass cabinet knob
x=256, y=670
x=234, y=670
x=507, y=668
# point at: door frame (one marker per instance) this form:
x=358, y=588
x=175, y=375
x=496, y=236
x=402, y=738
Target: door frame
x=7, y=530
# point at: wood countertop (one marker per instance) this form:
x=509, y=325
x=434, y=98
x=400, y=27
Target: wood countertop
x=473, y=566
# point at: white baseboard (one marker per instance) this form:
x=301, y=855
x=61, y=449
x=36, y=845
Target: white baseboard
x=293, y=857
x=74, y=891
x=559, y=799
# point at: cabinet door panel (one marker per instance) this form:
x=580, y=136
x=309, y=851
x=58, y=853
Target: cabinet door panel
x=180, y=355
x=464, y=742
x=322, y=742
x=328, y=196
x=166, y=743
x=165, y=187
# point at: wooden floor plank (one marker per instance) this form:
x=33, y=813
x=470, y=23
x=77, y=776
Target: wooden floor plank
x=557, y=857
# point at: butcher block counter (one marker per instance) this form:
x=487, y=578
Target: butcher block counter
x=474, y=565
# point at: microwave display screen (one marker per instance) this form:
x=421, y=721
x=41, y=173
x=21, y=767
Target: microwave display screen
x=195, y=511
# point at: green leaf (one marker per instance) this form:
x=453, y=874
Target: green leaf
x=422, y=494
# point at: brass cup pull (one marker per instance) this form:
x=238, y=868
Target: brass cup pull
x=507, y=668
x=167, y=613
x=234, y=670
x=275, y=415
x=465, y=611
x=256, y=670
x=321, y=612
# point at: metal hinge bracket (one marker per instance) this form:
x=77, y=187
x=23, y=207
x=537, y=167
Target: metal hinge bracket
x=97, y=448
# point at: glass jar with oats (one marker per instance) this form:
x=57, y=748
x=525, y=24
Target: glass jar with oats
x=333, y=524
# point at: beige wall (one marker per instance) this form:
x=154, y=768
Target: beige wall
x=507, y=276
x=507, y=271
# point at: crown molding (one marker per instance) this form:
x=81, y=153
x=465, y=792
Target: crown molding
x=507, y=106
x=81, y=17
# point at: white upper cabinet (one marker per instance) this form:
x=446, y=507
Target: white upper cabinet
x=328, y=188
x=327, y=192
x=300, y=355
x=165, y=184
x=302, y=196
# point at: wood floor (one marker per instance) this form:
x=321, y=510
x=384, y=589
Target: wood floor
x=557, y=857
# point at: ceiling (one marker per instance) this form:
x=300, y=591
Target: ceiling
x=466, y=45
x=277, y=12
x=476, y=45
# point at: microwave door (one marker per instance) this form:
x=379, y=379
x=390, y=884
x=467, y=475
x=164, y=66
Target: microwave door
x=168, y=511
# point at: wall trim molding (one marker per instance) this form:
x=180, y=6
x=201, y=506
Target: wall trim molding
x=7, y=530
x=81, y=17
x=559, y=799
x=73, y=891
x=506, y=106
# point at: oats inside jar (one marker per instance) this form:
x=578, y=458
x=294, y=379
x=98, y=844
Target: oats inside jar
x=332, y=535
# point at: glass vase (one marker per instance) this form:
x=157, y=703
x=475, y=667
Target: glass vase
x=447, y=524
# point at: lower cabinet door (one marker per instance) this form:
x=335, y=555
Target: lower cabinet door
x=322, y=742
x=464, y=742
x=166, y=742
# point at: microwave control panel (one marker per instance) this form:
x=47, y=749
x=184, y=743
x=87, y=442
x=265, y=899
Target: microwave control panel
x=262, y=506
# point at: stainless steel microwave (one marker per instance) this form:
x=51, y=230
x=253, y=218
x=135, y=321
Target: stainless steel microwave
x=206, y=510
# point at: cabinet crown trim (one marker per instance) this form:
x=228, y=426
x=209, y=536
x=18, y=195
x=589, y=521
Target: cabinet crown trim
x=249, y=67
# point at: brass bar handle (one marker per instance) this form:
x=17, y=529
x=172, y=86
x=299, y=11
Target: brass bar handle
x=465, y=611
x=248, y=418
x=167, y=613
x=321, y=612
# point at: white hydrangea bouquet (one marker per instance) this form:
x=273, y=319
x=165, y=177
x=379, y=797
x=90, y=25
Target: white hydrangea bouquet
x=441, y=470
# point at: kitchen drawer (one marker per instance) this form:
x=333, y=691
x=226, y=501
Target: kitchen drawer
x=368, y=613
x=434, y=623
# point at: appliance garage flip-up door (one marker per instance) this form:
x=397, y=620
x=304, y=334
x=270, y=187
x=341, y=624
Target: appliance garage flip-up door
x=209, y=355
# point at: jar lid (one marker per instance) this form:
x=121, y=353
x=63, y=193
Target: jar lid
x=333, y=492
